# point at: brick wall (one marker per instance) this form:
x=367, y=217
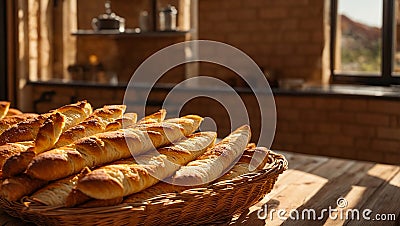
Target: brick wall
x=356, y=128
x=286, y=37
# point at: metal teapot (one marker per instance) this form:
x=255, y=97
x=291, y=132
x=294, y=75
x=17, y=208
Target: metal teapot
x=109, y=20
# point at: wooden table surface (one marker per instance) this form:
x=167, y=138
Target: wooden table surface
x=314, y=182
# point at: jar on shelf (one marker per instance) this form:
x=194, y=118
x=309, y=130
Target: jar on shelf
x=167, y=17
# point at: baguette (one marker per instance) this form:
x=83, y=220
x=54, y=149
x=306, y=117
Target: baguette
x=159, y=116
x=23, y=131
x=47, y=136
x=13, y=189
x=62, y=192
x=75, y=113
x=218, y=158
x=56, y=193
x=128, y=177
x=8, y=121
x=11, y=149
x=27, y=130
x=243, y=166
x=49, y=132
x=4, y=106
x=127, y=120
x=108, y=147
x=13, y=111
x=251, y=160
x=63, y=119
x=95, y=123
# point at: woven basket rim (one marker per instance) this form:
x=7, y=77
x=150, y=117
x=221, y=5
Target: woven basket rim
x=277, y=165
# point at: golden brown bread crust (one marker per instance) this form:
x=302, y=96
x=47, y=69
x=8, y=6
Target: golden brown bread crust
x=49, y=132
x=75, y=113
x=8, y=150
x=159, y=116
x=23, y=131
x=75, y=198
x=13, y=111
x=17, y=163
x=240, y=168
x=4, y=106
x=27, y=130
x=13, y=189
x=56, y=193
x=128, y=120
x=106, y=147
x=8, y=121
x=253, y=158
x=56, y=163
x=127, y=177
x=219, y=158
x=95, y=123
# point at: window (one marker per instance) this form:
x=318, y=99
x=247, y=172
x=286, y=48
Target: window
x=365, y=47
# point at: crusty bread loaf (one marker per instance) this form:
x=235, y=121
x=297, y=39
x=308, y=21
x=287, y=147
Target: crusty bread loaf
x=27, y=130
x=18, y=162
x=56, y=193
x=62, y=192
x=128, y=177
x=47, y=136
x=95, y=123
x=241, y=167
x=8, y=121
x=128, y=119
x=75, y=113
x=4, y=106
x=108, y=147
x=13, y=189
x=251, y=160
x=64, y=119
x=49, y=132
x=23, y=131
x=218, y=158
x=11, y=149
x=158, y=116
x=13, y=111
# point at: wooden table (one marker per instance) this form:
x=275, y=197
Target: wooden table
x=314, y=182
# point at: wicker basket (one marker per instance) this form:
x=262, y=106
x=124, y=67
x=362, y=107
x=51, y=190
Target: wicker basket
x=217, y=202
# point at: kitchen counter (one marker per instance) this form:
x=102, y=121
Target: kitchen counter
x=314, y=182
x=307, y=90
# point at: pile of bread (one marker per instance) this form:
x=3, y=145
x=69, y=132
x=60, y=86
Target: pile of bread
x=74, y=156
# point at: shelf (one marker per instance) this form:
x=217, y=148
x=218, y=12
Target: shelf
x=129, y=33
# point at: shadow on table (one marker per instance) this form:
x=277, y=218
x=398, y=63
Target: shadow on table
x=327, y=197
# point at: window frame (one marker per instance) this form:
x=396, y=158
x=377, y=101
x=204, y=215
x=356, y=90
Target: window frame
x=385, y=77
